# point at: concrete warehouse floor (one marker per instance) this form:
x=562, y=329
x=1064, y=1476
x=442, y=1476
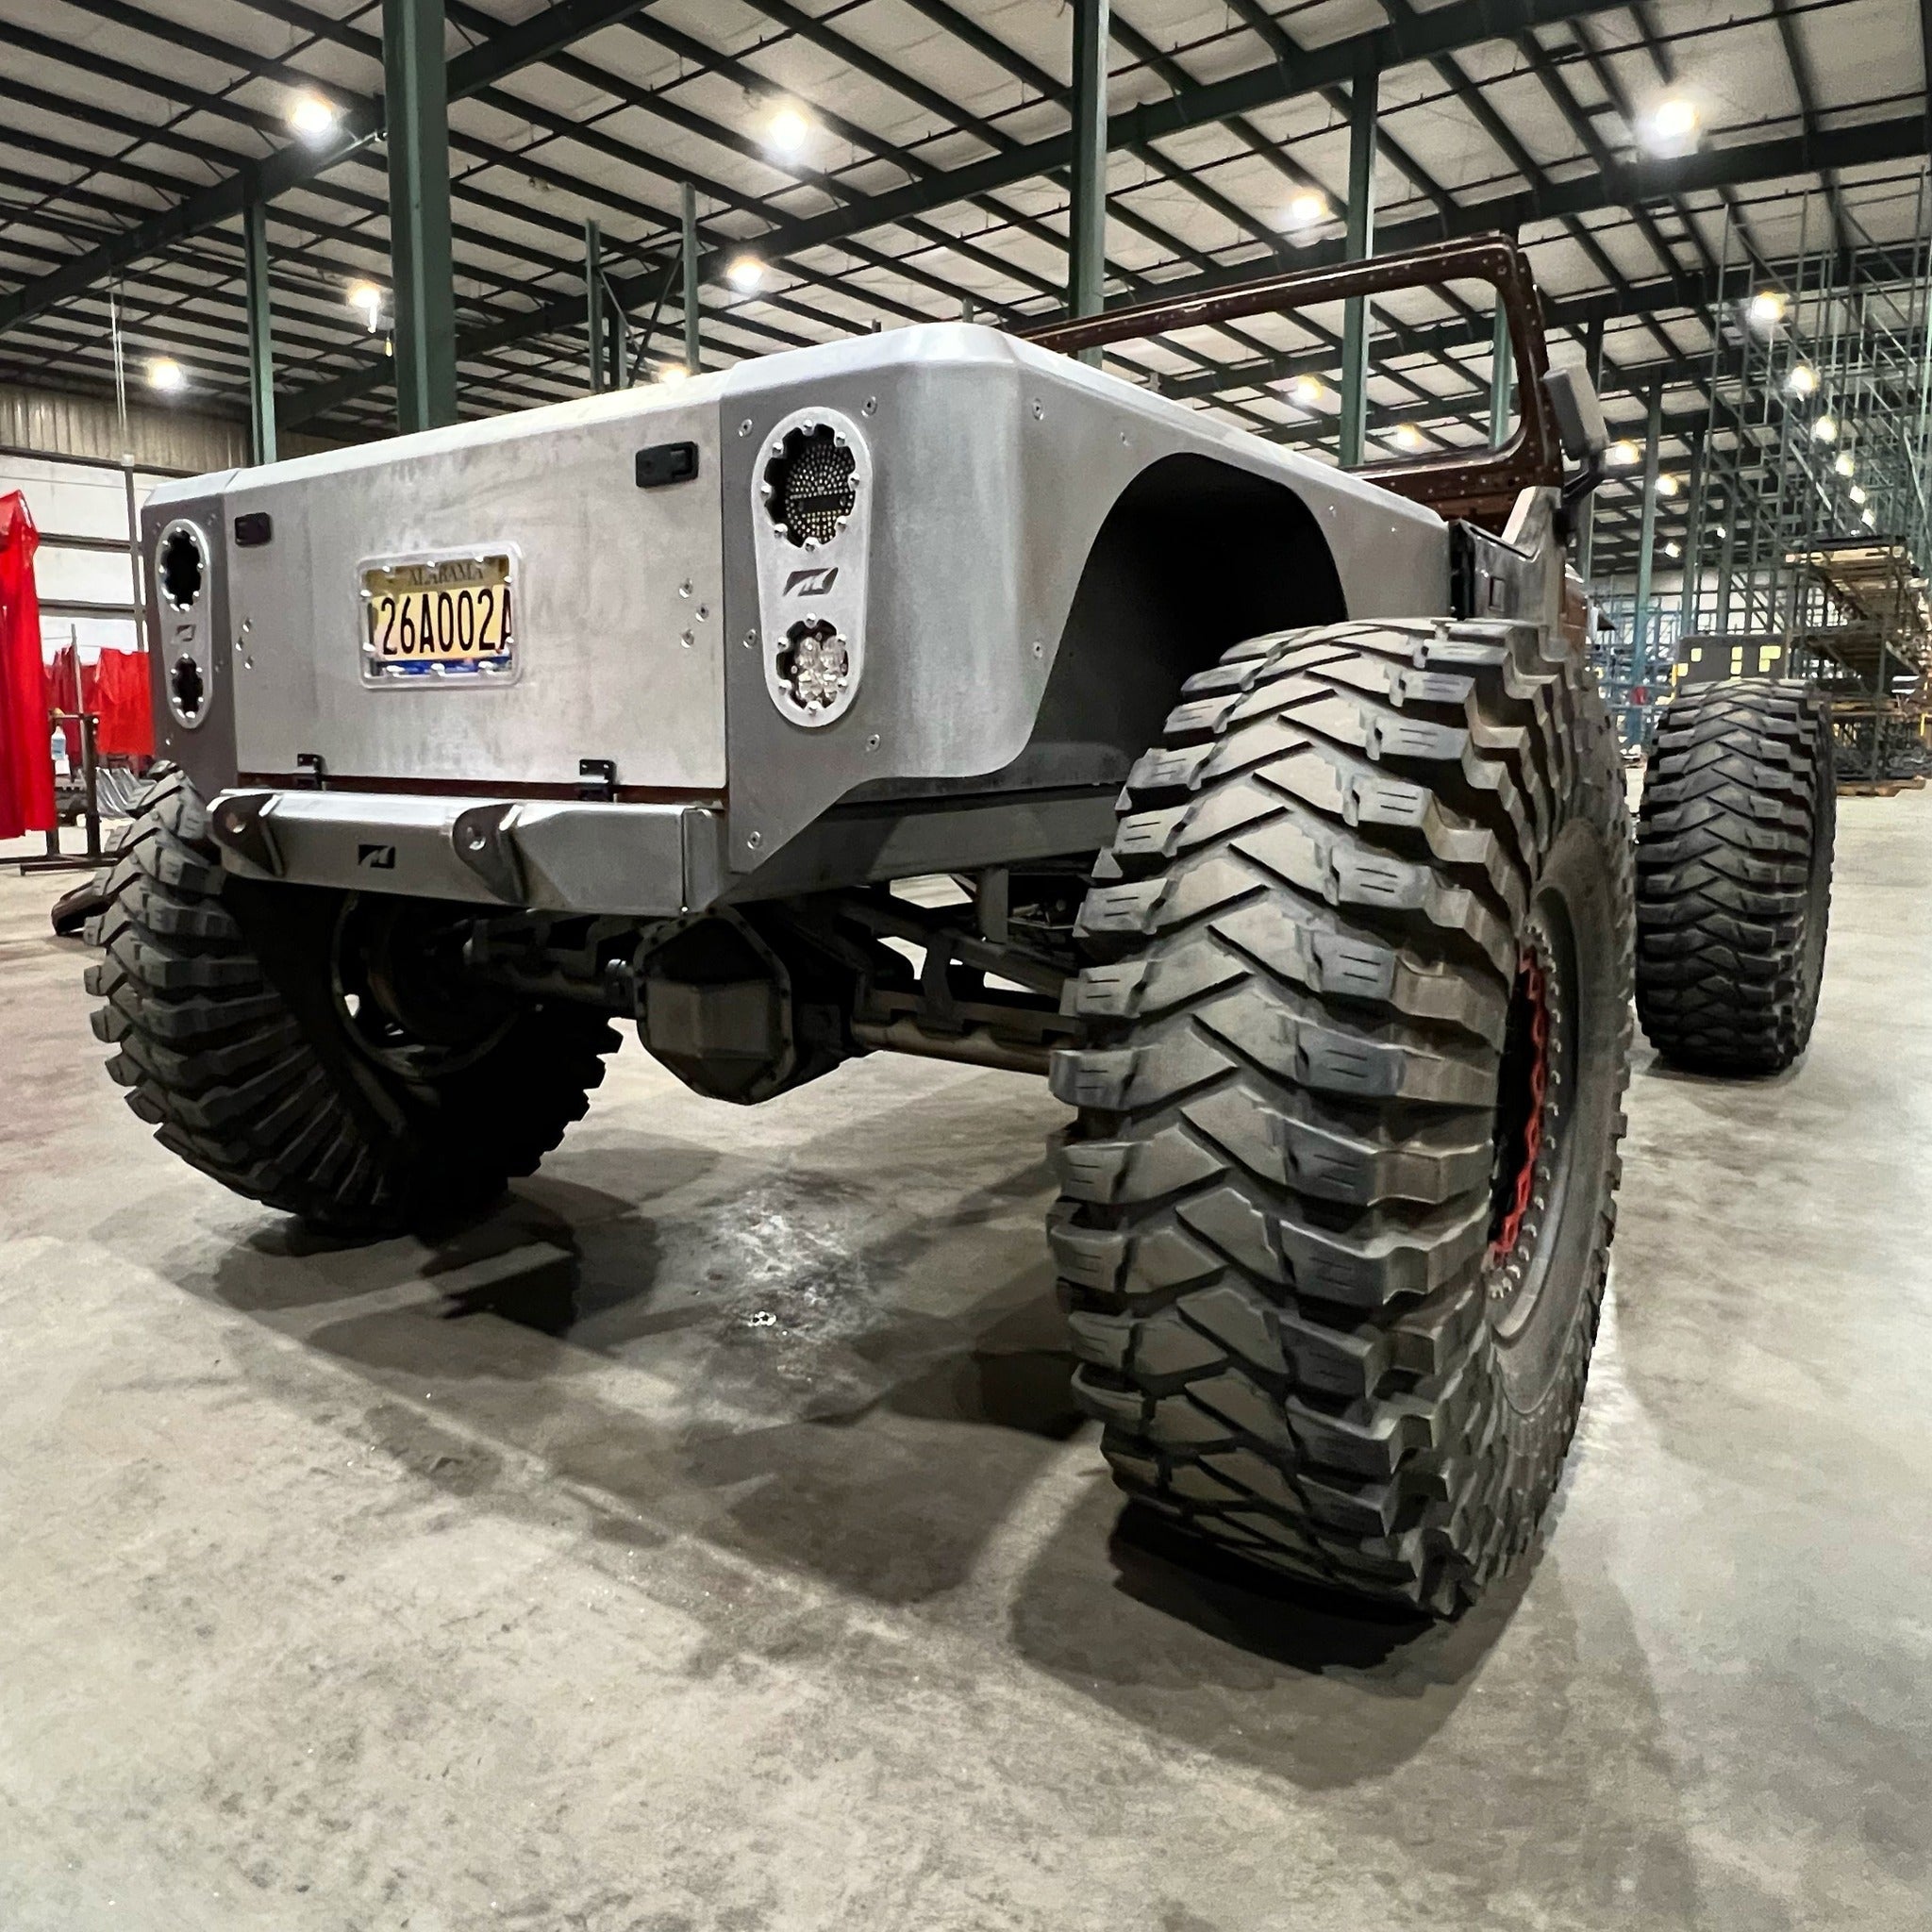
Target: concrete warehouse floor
x=705, y=1541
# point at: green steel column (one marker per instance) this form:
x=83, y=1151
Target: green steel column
x=1639, y=623
x=1361, y=244
x=1586, y=531
x=1692, y=583
x=1924, y=292
x=1502, y=377
x=261, y=349
x=689, y=243
x=1728, y=549
x=1721, y=407
x=416, y=108
x=593, y=303
x=1087, y=217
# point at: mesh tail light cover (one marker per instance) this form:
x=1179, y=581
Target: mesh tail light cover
x=809, y=483
x=182, y=567
x=811, y=519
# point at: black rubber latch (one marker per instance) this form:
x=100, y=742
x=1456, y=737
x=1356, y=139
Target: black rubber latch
x=667, y=462
x=311, y=771
x=239, y=823
x=252, y=527
x=597, y=780
x=482, y=841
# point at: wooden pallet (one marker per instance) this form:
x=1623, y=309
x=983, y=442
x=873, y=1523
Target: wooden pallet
x=1878, y=787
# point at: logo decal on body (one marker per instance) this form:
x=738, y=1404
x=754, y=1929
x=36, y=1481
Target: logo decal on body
x=811, y=583
x=376, y=858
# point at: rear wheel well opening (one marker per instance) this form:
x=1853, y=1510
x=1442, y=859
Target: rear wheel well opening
x=1194, y=557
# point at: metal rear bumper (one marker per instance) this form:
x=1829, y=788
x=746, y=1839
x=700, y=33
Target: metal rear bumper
x=653, y=860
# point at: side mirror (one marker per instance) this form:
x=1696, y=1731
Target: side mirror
x=1579, y=415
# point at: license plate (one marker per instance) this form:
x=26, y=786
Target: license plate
x=451, y=617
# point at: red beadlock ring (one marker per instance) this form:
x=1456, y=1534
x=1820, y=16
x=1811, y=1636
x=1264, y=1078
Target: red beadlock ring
x=1511, y=1229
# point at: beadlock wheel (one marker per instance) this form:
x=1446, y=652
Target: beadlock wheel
x=1336, y=1209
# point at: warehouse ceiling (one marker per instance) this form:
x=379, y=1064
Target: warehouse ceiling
x=875, y=162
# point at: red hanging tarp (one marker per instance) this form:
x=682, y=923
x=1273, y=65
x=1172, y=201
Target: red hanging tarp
x=27, y=764
x=125, y=705
x=115, y=689
x=68, y=685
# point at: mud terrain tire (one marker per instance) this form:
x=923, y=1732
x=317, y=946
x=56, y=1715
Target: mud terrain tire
x=1734, y=847
x=1333, y=1296
x=220, y=1003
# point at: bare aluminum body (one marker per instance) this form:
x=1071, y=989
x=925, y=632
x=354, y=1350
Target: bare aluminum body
x=649, y=617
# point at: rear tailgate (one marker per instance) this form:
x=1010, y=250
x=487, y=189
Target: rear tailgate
x=615, y=590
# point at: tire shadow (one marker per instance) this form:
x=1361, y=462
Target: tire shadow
x=1226, y=1656
x=792, y=1361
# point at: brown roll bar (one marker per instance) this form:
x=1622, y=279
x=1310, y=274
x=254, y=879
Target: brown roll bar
x=1480, y=486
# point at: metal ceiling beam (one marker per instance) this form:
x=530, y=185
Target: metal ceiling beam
x=96, y=115
x=1773, y=159
x=855, y=55
x=121, y=211
x=1690, y=427
x=1508, y=144
x=705, y=58
x=205, y=275
x=708, y=59
x=659, y=104
x=765, y=244
x=1663, y=58
x=468, y=73
x=1460, y=23
x=1272, y=151
x=370, y=46
x=1869, y=144
x=1802, y=85
x=1926, y=62
x=1442, y=29
x=1690, y=289
x=1619, y=97
x=1583, y=129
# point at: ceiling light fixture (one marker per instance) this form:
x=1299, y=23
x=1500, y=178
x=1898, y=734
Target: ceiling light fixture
x=1803, y=380
x=311, y=117
x=367, y=298
x=1304, y=210
x=746, y=273
x=1825, y=429
x=1667, y=486
x=1407, y=437
x=1670, y=127
x=673, y=372
x=1871, y=518
x=1765, y=310
x=164, y=372
x=788, y=131
x=1623, y=455
x=1858, y=493
x=1308, y=390
x=1844, y=465
x=1673, y=549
